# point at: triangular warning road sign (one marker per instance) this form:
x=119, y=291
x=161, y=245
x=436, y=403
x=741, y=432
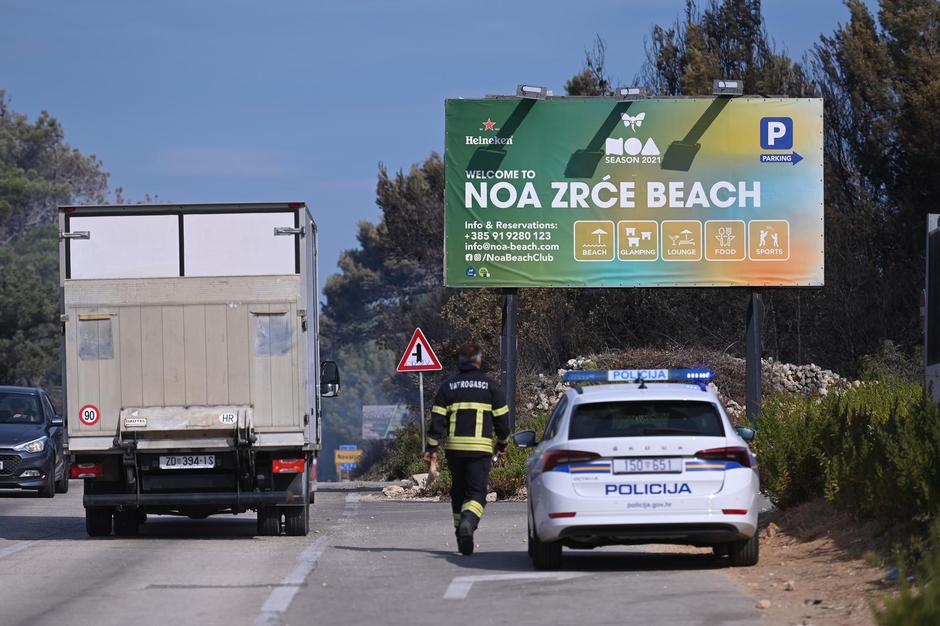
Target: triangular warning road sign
x=418, y=356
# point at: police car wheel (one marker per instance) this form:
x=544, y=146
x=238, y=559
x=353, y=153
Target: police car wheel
x=744, y=553
x=720, y=550
x=546, y=554
x=531, y=544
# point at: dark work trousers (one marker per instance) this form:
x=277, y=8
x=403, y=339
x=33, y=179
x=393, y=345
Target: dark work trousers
x=470, y=474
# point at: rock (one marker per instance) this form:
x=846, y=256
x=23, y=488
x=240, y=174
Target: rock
x=491, y=496
x=421, y=480
x=763, y=604
x=393, y=490
x=812, y=601
x=772, y=530
x=789, y=586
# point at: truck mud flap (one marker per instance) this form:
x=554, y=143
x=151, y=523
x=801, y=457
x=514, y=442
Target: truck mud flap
x=229, y=499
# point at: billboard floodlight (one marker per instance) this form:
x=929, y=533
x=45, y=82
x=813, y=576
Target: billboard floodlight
x=532, y=92
x=629, y=94
x=727, y=87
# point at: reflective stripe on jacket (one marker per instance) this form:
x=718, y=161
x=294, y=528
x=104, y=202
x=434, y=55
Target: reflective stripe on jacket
x=469, y=415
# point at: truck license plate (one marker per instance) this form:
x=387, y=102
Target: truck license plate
x=187, y=461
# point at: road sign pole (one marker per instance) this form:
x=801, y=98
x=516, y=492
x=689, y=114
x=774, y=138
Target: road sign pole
x=507, y=349
x=424, y=439
x=752, y=365
x=419, y=357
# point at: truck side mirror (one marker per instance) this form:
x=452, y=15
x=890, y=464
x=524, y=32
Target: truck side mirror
x=329, y=379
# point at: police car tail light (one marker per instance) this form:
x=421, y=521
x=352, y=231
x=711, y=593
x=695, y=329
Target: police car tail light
x=554, y=458
x=735, y=453
x=87, y=470
x=562, y=515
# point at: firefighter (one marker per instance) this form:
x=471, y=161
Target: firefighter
x=469, y=419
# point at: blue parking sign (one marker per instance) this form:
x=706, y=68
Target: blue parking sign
x=776, y=133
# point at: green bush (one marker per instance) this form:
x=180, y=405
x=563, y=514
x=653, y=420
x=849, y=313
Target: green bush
x=508, y=475
x=789, y=451
x=404, y=458
x=893, y=363
x=918, y=606
x=871, y=450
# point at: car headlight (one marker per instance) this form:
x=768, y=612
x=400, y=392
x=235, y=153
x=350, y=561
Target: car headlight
x=36, y=445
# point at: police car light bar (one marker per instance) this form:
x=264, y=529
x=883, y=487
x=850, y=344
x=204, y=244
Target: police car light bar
x=632, y=376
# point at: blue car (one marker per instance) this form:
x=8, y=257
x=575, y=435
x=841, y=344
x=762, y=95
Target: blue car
x=32, y=442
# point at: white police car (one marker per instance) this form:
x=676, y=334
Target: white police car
x=648, y=461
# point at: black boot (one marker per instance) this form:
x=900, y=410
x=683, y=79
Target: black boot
x=465, y=535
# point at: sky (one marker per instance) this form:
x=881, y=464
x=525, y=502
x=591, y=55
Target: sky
x=246, y=101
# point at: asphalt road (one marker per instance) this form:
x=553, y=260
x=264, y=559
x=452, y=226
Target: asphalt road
x=369, y=562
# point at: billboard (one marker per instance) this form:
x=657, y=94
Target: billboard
x=680, y=192
x=380, y=421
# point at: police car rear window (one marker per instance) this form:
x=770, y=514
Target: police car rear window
x=659, y=418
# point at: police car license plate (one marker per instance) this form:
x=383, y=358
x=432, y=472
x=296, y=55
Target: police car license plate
x=647, y=466
x=187, y=461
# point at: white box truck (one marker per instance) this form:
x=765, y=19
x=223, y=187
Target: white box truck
x=192, y=369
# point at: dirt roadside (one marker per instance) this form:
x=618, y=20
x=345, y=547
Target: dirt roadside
x=817, y=566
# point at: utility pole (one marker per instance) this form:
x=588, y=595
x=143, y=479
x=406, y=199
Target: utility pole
x=753, y=349
x=508, y=345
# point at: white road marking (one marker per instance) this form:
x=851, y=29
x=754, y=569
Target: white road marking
x=352, y=505
x=282, y=595
x=460, y=586
x=16, y=547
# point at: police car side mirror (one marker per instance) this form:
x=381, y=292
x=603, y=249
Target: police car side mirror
x=57, y=421
x=747, y=434
x=525, y=439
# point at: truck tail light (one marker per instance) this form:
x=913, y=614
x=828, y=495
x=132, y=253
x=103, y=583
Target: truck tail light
x=288, y=466
x=87, y=470
x=554, y=458
x=735, y=453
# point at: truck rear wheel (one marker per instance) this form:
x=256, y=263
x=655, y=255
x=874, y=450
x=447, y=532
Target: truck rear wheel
x=126, y=523
x=269, y=521
x=97, y=521
x=297, y=520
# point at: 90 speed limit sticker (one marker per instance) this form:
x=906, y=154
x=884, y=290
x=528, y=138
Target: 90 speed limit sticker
x=89, y=415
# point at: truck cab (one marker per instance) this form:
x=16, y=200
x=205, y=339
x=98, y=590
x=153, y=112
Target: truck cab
x=192, y=364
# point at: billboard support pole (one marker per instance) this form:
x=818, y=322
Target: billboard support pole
x=752, y=365
x=424, y=437
x=507, y=349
